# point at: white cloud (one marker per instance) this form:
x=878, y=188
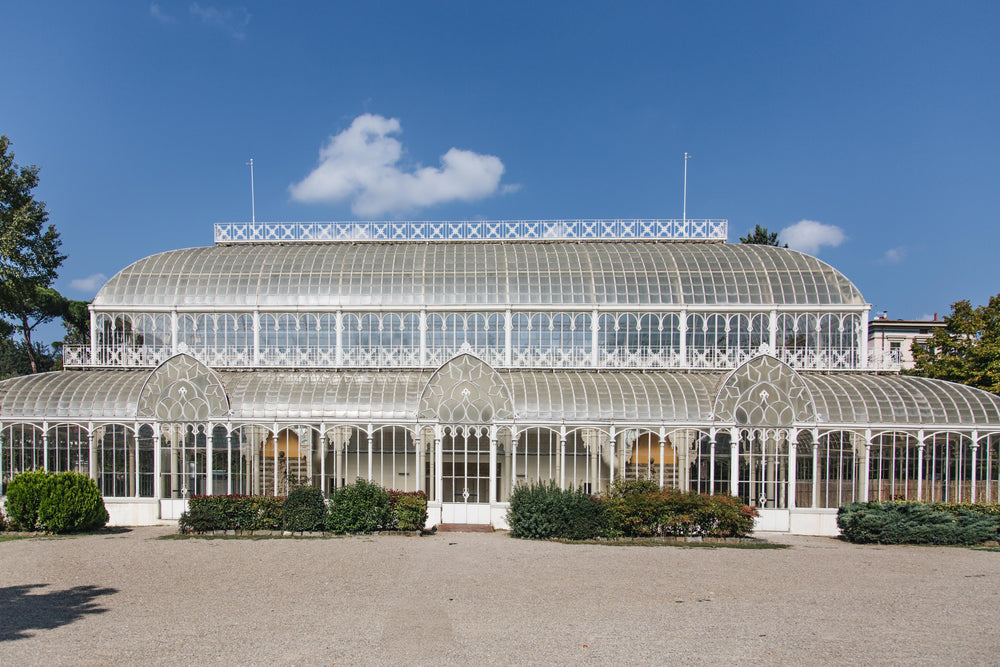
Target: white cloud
x=234, y=21
x=89, y=284
x=157, y=13
x=893, y=255
x=362, y=164
x=809, y=236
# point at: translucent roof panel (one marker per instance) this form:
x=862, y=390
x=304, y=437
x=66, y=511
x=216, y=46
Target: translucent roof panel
x=619, y=397
x=899, y=399
x=412, y=273
x=841, y=399
x=318, y=395
x=72, y=395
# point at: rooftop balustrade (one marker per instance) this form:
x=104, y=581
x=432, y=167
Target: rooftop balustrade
x=227, y=233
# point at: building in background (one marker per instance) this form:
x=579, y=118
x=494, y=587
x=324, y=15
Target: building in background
x=465, y=358
x=892, y=339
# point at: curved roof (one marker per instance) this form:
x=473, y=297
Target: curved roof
x=899, y=399
x=655, y=273
x=842, y=399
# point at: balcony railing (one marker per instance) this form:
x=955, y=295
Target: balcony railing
x=470, y=230
x=76, y=356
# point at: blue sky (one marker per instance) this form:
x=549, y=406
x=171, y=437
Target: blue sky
x=876, y=121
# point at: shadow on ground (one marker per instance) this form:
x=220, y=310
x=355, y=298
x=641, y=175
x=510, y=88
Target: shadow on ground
x=22, y=610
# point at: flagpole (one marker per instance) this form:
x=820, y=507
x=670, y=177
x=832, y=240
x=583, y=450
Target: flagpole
x=253, y=213
x=686, y=158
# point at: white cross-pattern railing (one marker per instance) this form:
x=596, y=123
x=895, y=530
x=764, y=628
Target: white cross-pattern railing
x=78, y=356
x=470, y=230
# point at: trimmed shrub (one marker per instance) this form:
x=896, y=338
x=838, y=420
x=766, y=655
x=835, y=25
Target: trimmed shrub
x=3, y=522
x=675, y=513
x=73, y=503
x=304, y=510
x=540, y=511
x=24, y=496
x=246, y=513
x=361, y=507
x=201, y=517
x=915, y=523
x=409, y=509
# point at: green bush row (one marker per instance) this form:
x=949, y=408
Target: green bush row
x=894, y=522
x=634, y=508
x=65, y=502
x=361, y=507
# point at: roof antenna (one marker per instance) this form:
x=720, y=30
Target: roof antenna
x=253, y=214
x=686, y=158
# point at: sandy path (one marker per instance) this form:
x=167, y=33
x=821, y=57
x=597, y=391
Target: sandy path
x=458, y=598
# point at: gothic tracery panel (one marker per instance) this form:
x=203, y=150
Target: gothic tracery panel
x=465, y=391
x=764, y=392
x=182, y=389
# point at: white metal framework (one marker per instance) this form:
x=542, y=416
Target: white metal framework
x=292, y=354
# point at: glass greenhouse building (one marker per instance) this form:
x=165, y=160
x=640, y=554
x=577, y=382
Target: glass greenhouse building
x=465, y=358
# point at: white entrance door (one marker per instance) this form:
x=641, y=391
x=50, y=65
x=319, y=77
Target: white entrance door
x=465, y=475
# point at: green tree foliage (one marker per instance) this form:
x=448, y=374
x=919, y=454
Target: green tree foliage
x=29, y=252
x=304, y=510
x=966, y=349
x=762, y=236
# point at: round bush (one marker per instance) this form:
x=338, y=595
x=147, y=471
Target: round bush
x=72, y=504
x=361, y=507
x=24, y=496
x=304, y=510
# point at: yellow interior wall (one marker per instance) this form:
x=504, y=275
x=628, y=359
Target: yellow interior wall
x=648, y=445
x=288, y=442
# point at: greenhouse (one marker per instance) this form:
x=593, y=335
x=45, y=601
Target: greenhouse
x=465, y=358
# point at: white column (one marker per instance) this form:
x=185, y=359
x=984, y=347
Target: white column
x=423, y=336
x=493, y=466
x=815, y=485
x=173, y=332
x=508, y=338
x=595, y=328
x=793, y=452
x=773, y=332
x=157, y=469
x=323, y=442
x=866, y=480
x=561, y=462
x=663, y=450
x=863, y=338
x=920, y=470
x=682, y=327
x=438, y=464
x=513, y=460
x=229, y=458
x=711, y=461
x=208, y=458
x=975, y=450
x=338, y=340
x=274, y=456
x=611, y=458
x=371, y=453
x=45, y=446
x=256, y=337
x=734, y=462
x=93, y=451
x=93, y=336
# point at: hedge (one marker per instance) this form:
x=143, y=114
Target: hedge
x=64, y=502
x=894, y=522
x=362, y=507
x=634, y=508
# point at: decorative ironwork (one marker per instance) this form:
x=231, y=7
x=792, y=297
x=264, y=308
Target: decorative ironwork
x=764, y=392
x=465, y=391
x=469, y=230
x=182, y=389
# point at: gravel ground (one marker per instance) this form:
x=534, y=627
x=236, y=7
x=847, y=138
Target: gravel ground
x=130, y=598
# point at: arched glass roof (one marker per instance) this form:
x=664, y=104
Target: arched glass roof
x=72, y=395
x=899, y=399
x=404, y=274
x=841, y=399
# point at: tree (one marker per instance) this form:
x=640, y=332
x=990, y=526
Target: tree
x=966, y=350
x=762, y=236
x=29, y=252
